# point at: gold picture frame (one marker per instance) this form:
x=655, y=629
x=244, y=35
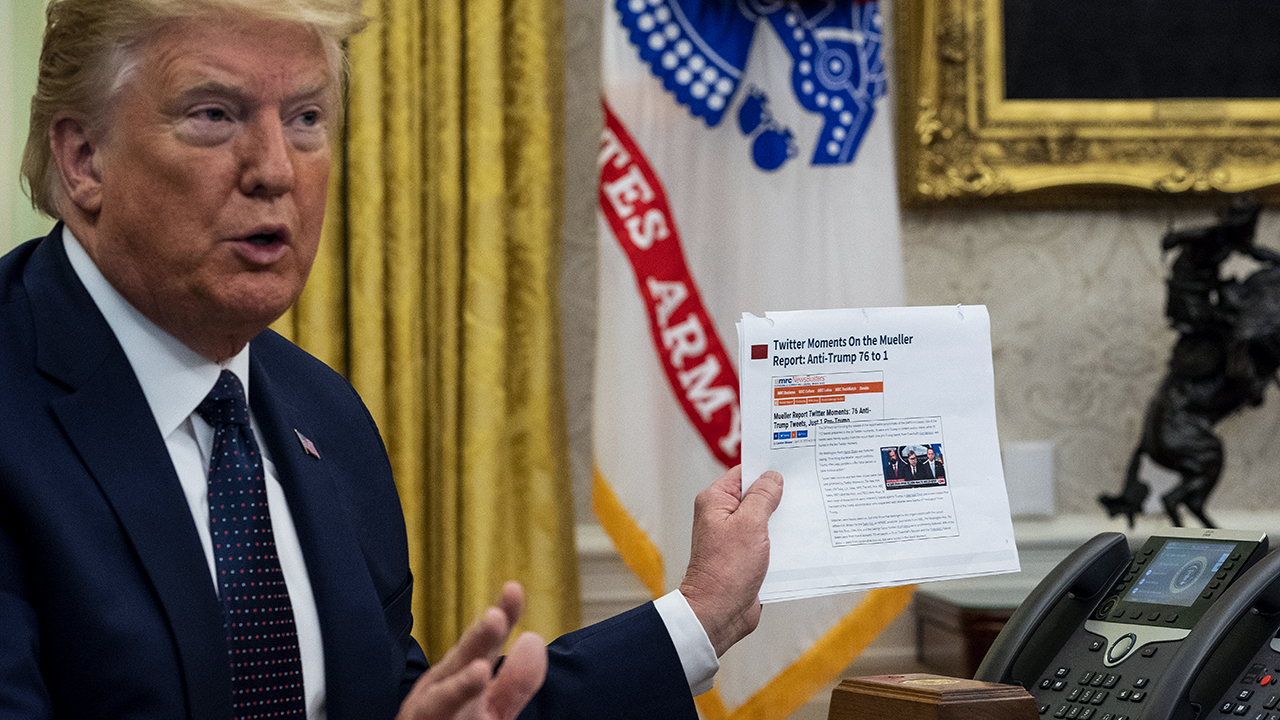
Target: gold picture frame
x=961, y=140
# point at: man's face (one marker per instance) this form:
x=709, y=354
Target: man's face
x=911, y=458
x=213, y=178
x=893, y=456
x=929, y=454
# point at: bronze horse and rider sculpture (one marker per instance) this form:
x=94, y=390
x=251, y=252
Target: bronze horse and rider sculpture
x=1228, y=350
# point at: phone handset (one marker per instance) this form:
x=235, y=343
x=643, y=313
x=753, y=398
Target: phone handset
x=1244, y=619
x=1058, y=605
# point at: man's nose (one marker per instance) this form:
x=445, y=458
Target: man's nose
x=267, y=159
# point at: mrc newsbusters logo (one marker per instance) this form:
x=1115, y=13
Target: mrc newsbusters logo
x=800, y=380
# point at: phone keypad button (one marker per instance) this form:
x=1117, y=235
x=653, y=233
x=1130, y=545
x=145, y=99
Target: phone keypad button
x=1137, y=696
x=1061, y=712
x=1121, y=647
x=1073, y=713
x=1086, y=713
x=1073, y=695
x=1111, y=681
x=1062, y=672
x=1046, y=683
x=1099, y=696
x=1245, y=695
x=1141, y=682
x=1240, y=709
x=1059, y=684
x=1087, y=676
x=1271, y=702
x=1123, y=694
x=1097, y=680
x=1227, y=707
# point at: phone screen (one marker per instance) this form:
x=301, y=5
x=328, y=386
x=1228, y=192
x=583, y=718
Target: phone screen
x=1179, y=572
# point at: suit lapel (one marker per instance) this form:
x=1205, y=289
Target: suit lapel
x=104, y=410
x=346, y=601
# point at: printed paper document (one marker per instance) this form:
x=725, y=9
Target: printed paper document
x=882, y=423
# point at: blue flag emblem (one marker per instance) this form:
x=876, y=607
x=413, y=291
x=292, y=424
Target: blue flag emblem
x=699, y=48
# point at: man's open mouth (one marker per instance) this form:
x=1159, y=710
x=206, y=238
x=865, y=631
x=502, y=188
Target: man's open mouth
x=264, y=238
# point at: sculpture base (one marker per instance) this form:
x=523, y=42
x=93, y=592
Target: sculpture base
x=920, y=696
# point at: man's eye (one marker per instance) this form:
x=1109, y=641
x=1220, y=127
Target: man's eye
x=213, y=114
x=310, y=118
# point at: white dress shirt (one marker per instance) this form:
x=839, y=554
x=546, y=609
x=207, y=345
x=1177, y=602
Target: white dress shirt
x=176, y=379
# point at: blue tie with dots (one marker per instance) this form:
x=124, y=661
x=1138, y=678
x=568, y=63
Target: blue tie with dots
x=262, y=641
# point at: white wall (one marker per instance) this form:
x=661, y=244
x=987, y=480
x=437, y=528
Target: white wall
x=21, y=27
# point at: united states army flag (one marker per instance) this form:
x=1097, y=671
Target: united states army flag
x=746, y=164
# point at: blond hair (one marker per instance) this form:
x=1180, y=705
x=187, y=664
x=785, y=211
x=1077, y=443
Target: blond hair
x=91, y=49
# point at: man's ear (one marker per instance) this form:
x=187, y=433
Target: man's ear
x=76, y=150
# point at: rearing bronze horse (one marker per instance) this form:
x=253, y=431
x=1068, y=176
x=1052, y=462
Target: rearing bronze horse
x=1228, y=349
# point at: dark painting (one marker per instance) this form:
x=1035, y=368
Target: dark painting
x=1141, y=49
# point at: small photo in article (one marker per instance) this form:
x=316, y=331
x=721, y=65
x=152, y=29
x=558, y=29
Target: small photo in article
x=913, y=466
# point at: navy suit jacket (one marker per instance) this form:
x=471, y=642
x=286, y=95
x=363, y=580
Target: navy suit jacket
x=107, y=609
x=923, y=470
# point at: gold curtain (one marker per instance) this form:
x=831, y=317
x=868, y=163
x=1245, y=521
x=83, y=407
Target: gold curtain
x=436, y=294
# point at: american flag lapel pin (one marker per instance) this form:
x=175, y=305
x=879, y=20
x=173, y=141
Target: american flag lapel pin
x=307, y=446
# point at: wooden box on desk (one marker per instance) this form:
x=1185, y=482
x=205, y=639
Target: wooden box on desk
x=918, y=696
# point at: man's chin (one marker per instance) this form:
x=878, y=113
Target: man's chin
x=225, y=339
x=257, y=318
x=246, y=317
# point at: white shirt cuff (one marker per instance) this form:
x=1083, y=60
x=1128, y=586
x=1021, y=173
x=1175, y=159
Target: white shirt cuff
x=697, y=656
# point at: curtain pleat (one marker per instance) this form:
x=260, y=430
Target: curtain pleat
x=436, y=294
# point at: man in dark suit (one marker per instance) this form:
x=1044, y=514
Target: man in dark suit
x=912, y=470
x=185, y=149
x=923, y=471
x=933, y=464
x=893, y=468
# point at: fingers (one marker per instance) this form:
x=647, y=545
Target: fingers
x=520, y=676
x=465, y=673
x=721, y=497
x=485, y=637
x=512, y=601
x=764, y=494
x=730, y=482
x=482, y=640
x=725, y=494
x=436, y=696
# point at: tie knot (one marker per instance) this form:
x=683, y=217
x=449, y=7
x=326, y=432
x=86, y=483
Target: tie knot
x=225, y=403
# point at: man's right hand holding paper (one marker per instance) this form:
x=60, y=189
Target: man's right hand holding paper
x=730, y=555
